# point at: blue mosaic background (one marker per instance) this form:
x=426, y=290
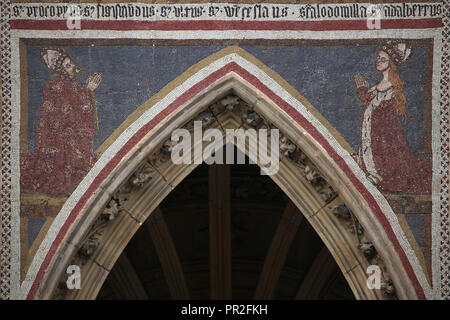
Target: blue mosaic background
x=322, y=74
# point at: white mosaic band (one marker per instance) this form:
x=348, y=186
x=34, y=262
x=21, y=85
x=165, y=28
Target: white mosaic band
x=9, y=236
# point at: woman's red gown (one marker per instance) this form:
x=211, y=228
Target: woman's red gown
x=64, y=140
x=400, y=170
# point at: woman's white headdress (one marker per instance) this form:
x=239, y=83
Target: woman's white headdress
x=398, y=51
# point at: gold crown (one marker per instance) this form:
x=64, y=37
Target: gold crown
x=398, y=51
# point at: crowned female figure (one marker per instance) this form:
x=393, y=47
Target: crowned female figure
x=66, y=127
x=384, y=154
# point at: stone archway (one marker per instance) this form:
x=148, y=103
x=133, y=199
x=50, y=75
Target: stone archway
x=315, y=182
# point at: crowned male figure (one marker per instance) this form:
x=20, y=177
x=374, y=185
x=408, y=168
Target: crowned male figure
x=66, y=127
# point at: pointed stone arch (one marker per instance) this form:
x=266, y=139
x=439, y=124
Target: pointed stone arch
x=316, y=172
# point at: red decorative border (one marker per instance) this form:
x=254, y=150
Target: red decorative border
x=231, y=67
x=133, y=25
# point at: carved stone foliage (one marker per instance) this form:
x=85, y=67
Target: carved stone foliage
x=142, y=176
x=250, y=117
x=207, y=118
x=113, y=209
x=318, y=182
x=234, y=104
x=365, y=245
x=367, y=248
x=230, y=102
x=288, y=150
x=90, y=243
x=162, y=155
x=387, y=286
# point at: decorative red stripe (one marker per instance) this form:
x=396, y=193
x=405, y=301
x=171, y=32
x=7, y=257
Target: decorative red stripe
x=130, y=25
x=177, y=103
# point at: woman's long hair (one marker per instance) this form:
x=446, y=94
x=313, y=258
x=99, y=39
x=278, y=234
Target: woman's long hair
x=398, y=87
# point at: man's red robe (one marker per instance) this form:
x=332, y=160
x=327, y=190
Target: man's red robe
x=64, y=141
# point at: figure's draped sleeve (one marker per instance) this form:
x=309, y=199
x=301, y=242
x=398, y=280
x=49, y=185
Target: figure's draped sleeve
x=364, y=95
x=64, y=140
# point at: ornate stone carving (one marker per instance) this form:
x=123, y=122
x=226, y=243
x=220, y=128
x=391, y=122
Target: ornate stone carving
x=167, y=146
x=112, y=209
x=162, y=155
x=88, y=247
x=206, y=117
x=327, y=193
x=92, y=241
x=319, y=183
x=124, y=192
x=312, y=175
x=230, y=102
x=141, y=177
x=251, y=117
x=217, y=108
x=292, y=152
x=355, y=226
x=388, y=287
x=341, y=211
x=287, y=147
x=365, y=246
x=247, y=113
x=299, y=158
